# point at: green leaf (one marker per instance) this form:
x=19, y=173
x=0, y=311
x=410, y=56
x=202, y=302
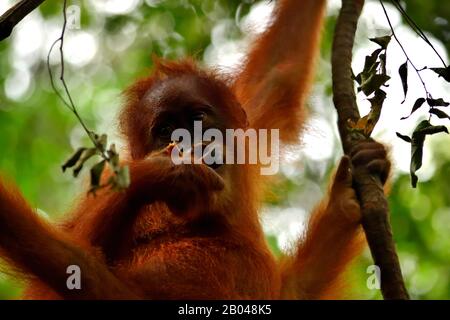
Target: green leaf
x=439, y=113
x=423, y=129
x=382, y=41
x=96, y=174
x=417, y=141
x=101, y=142
x=416, y=157
x=122, y=178
x=437, y=102
x=370, y=67
x=419, y=102
x=403, y=137
x=85, y=156
x=114, y=157
x=443, y=72
x=433, y=130
x=356, y=78
x=371, y=61
x=422, y=125
x=73, y=159
x=383, y=63
x=403, y=72
x=359, y=78
x=373, y=83
x=376, y=103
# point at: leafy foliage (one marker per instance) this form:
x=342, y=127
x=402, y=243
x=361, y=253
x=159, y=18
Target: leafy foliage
x=417, y=140
x=443, y=72
x=370, y=80
x=403, y=72
x=419, y=102
x=118, y=181
x=423, y=129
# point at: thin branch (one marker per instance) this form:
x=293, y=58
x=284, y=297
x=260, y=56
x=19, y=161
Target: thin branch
x=416, y=28
x=15, y=14
x=410, y=21
x=121, y=178
x=404, y=51
x=70, y=104
x=369, y=189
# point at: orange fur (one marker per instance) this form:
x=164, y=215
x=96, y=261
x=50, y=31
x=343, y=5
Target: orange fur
x=140, y=244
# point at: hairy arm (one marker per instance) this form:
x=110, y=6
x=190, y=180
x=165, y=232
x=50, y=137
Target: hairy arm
x=274, y=82
x=334, y=236
x=332, y=240
x=35, y=247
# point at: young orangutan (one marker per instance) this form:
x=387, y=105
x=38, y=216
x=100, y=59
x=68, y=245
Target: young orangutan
x=192, y=231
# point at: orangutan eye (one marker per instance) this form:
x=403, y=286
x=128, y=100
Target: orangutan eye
x=164, y=131
x=199, y=116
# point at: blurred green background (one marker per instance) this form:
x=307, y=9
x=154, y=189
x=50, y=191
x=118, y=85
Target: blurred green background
x=109, y=44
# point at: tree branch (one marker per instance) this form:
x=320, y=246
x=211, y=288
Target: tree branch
x=369, y=189
x=15, y=14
